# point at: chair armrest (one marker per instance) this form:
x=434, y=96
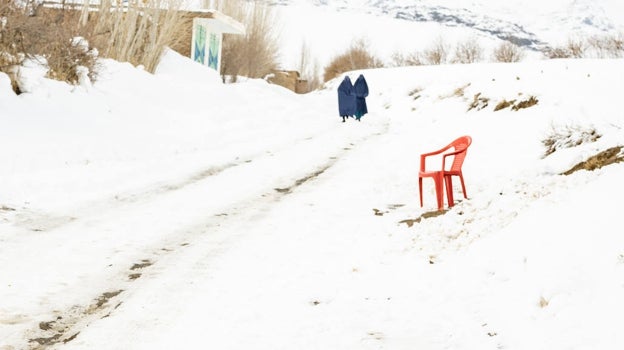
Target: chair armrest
x=435, y=152
x=425, y=155
x=450, y=154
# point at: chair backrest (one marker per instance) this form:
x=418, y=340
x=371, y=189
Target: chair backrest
x=460, y=144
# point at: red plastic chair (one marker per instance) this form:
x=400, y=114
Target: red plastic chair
x=444, y=177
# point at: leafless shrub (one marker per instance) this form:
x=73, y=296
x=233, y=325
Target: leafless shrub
x=608, y=46
x=356, y=57
x=50, y=33
x=468, y=51
x=12, y=47
x=597, y=46
x=531, y=101
x=403, y=60
x=254, y=54
x=558, y=52
x=516, y=106
x=478, y=102
x=70, y=37
x=507, y=52
x=575, y=48
x=437, y=53
x=504, y=104
x=568, y=136
x=617, y=44
x=71, y=61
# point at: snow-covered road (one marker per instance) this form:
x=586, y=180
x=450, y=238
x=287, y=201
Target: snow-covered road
x=140, y=231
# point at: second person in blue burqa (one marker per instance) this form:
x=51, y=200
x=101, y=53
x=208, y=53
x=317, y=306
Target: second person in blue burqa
x=361, y=91
x=352, y=98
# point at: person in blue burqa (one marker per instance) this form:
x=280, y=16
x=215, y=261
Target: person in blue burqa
x=346, y=99
x=361, y=91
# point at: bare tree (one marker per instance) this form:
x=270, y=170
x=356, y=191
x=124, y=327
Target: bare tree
x=256, y=53
x=308, y=68
x=138, y=31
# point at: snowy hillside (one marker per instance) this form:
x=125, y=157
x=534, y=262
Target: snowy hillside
x=393, y=25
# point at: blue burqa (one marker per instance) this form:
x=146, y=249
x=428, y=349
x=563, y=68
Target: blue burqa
x=361, y=91
x=346, y=98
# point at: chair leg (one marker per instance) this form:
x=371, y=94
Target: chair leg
x=461, y=179
x=439, y=188
x=448, y=180
x=420, y=190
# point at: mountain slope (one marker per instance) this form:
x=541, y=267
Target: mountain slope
x=395, y=25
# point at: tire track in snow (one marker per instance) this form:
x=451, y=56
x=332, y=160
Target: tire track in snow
x=67, y=324
x=39, y=221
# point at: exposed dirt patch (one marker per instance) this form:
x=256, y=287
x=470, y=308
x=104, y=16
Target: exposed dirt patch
x=429, y=214
x=56, y=330
x=5, y=208
x=143, y=264
x=46, y=341
x=302, y=180
x=378, y=212
x=610, y=156
x=102, y=300
x=71, y=338
x=415, y=93
x=46, y=325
